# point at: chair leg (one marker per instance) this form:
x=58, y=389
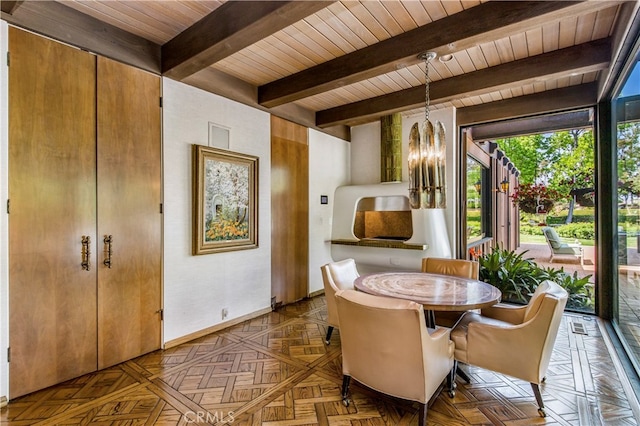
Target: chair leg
x=463, y=375
x=422, y=416
x=451, y=380
x=345, y=389
x=536, y=392
x=327, y=339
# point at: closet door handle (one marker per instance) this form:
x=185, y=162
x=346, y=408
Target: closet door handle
x=108, y=239
x=86, y=253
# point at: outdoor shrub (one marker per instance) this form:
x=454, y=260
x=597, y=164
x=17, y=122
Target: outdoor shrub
x=530, y=229
x=518, y=277
x=583, y=231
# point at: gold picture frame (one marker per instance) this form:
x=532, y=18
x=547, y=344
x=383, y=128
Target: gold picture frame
x=225, y=200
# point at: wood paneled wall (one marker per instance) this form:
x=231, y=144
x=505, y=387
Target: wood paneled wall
x=289, y=211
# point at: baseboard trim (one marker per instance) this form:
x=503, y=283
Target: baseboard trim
x=316, y=293
x=192, y=336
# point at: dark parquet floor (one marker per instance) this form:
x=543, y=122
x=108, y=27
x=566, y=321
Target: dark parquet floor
x=276, y=370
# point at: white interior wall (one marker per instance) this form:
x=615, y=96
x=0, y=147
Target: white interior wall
x=4, y=217
x=329, y=160
x=365, y=158
x=197, y=288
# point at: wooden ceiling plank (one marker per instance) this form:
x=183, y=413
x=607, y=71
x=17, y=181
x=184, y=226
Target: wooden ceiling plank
x=557, y=100
x=347, y=22
x=363, y=15
x=400, y=15
x=477, y=57
x=120, y=14
x=505, y=50
x=548, y=66
x=228, y=29
x=346, y=43
x=534, y=41
x=550, y=37
x=452, y=7
x=382, y=15
x=586, y=26
x=567, y=34
x=463, y=29
x=435, y=9
x=67, y=25
x=302, y=42
x=304, y=28
x=417, y=12
x=519, y=46
x=604, y=22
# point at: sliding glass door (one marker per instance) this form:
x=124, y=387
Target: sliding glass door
x=626, y=110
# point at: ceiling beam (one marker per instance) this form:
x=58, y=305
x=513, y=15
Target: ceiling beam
x=67, y=25
x=228, y=29
x=532, y=125
x=582, y=58
x=488, y=21
x=9, y=7
x=572, y=97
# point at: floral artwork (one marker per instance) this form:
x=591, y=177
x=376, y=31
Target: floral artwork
x=225, y=211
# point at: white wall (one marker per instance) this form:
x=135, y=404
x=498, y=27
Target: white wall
x=329, y=160
x=197, y=288
x=365, y=157
x=4, y=225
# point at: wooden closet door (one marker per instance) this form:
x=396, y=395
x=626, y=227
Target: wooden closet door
x=129, y=197
x=289, y=211
x=52, y=300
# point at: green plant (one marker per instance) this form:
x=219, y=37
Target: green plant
x=508, y=271
x=517, y=278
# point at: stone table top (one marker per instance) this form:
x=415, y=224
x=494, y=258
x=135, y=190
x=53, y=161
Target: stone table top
x=433, y=291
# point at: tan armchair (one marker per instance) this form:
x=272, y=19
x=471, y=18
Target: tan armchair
x=386, y=346
x=514, y=340
x=454, y=267
x=336, y=276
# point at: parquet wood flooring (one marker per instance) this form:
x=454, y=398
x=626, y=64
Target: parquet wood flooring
x=276, y=370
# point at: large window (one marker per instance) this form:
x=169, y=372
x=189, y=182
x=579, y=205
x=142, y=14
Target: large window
x=477, y=209
x=626, y=109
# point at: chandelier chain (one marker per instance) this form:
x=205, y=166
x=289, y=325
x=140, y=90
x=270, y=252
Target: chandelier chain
x=427, y=97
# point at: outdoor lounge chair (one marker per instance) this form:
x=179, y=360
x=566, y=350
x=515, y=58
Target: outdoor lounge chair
x=557, y=246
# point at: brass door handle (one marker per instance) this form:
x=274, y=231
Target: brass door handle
x=86, y=253
x=108, y=239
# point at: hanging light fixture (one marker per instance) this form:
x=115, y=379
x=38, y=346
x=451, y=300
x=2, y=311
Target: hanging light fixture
x=427, y=189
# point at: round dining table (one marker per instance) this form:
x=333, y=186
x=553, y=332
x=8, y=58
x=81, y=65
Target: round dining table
x=435, y=292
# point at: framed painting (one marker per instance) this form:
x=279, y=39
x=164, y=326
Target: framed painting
x=225, y=200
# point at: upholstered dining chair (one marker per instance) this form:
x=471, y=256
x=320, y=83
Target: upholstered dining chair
x=457, y=268
x=387, y=347
x=336, y=276
x=514, y=340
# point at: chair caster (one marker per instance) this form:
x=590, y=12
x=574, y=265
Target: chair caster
x=327, y=342
x=452, y=390
x=345, y=402
x=542, y=412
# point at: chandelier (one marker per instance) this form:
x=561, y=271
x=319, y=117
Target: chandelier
x=427, y=156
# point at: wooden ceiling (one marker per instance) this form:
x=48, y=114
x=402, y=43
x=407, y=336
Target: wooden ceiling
x=334, y=64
